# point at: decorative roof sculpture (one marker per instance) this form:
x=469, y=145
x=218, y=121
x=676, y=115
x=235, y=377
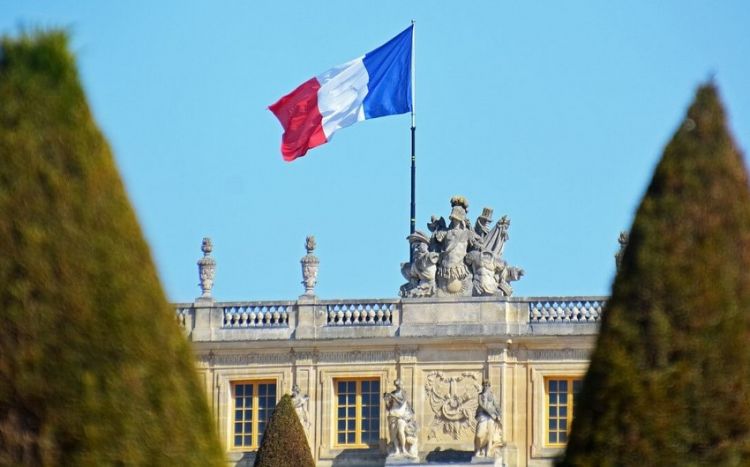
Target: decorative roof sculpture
x=458, y=260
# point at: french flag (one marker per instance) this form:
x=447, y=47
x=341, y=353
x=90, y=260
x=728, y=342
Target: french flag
x=374, y=85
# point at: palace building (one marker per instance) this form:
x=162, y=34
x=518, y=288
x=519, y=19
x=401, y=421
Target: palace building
x=453, y=344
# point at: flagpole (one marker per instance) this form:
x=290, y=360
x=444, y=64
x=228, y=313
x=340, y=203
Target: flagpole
x=413, y=217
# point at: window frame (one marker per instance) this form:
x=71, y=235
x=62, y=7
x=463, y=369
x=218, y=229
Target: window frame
x=569, y=404
x=358, y=444
x=538, y=410
x=255, y=420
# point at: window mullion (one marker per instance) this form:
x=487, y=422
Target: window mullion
x=358, y=413
x=256, y=401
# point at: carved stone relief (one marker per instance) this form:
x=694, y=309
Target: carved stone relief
x=453, y=399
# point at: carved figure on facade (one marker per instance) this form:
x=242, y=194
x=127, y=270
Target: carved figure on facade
x=310, y=264
x=300, y=403
x=402, y=424
x=206, y=268
x=489, y=432
x=420, y=273
x=453, y=400
x=468, y=260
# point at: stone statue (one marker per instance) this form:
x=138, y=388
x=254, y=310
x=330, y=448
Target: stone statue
x=206, y=268
x=467, y=261
x=453, y=274
x=489, y=427
x=484, y=267
x=482, y=226
x=420, y=273
x=623, y=241
x=310, y=264
x=402, y=424
x=300, y=404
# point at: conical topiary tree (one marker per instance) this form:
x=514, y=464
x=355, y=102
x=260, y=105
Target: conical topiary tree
x=669, y=381
x=94, y=370
x=284, y=442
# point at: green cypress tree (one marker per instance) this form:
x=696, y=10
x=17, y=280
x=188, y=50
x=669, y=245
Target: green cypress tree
x=284, y=442
x=94, y=370
x=669, y=381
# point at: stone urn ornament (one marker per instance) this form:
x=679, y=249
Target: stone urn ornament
x=206, y=268
x=310, y=264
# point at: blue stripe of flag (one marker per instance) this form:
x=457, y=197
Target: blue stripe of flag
x=389, y=70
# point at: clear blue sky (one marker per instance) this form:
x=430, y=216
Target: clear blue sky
x=551, y=112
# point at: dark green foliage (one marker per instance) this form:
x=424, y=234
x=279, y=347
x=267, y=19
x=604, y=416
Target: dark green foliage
x=94, y=370
x=669, y=382
x=284, y=443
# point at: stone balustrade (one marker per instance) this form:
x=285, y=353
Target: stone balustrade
x=257, y=315
x=184, y=315
x=361, y=313
x=311, y=318
x=555, y=310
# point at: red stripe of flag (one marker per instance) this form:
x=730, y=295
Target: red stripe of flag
x=298, y=113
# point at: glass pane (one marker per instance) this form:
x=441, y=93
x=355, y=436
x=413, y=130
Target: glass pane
x=342, y=438
x=263, y=389
x=350, y=425
x=563, y=424
x=350, y=438
x=248, y=427
x=553, y=437
x=238, y=440
x=553, y=411
x=240, y=401
x=342, y=412
x=342, y=399
x=351, y=399
x=239, y=389
x=247, y=441
x=553, y=386
x=238, y=427
x=553, y=398
x=342, y=425
x=553, y=424
x=351, y=412
x=341, y=386
x=365, y=386
x=351, y=386
x=375, y=386
x=563, y=411
x=272, y=390
x=563, y=386
x=238, y=414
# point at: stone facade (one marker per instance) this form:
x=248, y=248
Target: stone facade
x=441, y=349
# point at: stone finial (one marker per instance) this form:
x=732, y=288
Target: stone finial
x=623, y=241
x=310, y=264
x=206, y=268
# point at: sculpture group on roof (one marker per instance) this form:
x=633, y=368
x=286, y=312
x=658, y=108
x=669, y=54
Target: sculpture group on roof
x=458, y=260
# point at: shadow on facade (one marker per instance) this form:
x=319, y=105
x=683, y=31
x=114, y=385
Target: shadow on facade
x=247, y=460
x=449, y=456
x=359, y=457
